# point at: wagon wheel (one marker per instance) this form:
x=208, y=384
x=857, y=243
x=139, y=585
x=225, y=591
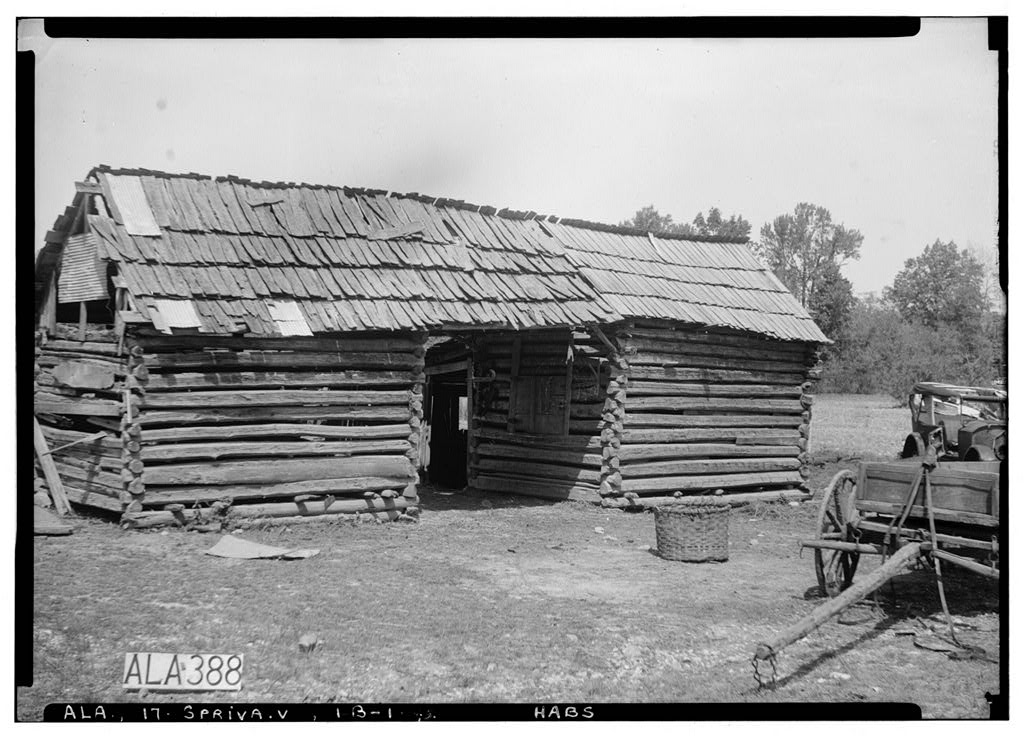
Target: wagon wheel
x=835, y=568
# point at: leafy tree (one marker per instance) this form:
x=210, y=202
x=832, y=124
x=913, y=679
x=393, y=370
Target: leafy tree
x=649, y=219
x=735, y=228
x=802, y=247
x=806, y=250
x=830, y=303
x=943, y=285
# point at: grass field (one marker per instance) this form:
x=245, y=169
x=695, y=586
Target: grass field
x=498, y=599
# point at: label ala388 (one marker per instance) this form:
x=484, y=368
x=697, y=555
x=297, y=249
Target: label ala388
x=165, y=671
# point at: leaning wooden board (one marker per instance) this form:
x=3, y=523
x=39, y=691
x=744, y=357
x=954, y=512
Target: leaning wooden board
x=961, y=492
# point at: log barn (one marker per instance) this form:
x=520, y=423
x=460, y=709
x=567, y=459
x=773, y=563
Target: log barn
x=216, y=349
x=212, y=349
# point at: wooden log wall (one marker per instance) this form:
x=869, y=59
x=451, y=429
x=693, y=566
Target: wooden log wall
x=298, y=422
x=506, y=459
x=707, y=411
x=82, y=381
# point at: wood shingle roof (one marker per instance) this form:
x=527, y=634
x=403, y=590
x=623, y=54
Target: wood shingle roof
x=354, y=259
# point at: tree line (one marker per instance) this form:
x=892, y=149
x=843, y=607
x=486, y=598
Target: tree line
x=941, y=319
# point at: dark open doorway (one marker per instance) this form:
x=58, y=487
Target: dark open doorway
x=447, y=416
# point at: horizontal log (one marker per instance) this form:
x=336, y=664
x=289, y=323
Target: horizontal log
x=712, y=375
x=538, y=440
x=93, y=333
x=50, y=357
x=184, y=343
x=273, y=379
x=748, y=391
x=48, y=403
x=85, y=497
x=317, y=508
x=710, y=482
x=100, y=348
x=158, y=495
x=49, y=362
x=648, y=358
x=734, y=499
x=568, y=457
x=708, y=467
x=216, y=450
x=256, y=359
x=277, y=414
x=550, y=490
x=277, y=471
x=716, y=338
x=56, y=436
x=641, y=453
x=713, y=348
x=236, y=431
x=739, y=435
x=88, y=472
x=686, y=421
x=536, y=470
x=693, y=403
x=252, y=398
x=265, y=521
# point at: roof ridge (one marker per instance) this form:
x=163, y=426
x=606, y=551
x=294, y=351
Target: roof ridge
x=488, y=210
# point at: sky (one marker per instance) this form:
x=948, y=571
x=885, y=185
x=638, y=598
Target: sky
x=896, y=137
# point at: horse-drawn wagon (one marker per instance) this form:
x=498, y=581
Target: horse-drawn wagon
x=908, y=511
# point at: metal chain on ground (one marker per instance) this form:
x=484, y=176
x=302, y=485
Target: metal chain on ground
x=759, y=678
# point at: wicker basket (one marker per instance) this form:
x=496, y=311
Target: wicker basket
x=693, y=529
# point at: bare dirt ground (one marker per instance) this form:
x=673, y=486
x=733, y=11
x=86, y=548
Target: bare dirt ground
x=498, y=599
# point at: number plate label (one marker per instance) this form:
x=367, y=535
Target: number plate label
x=164, y=671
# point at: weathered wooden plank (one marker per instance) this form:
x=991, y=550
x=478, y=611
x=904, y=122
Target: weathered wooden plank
x=648, y=358
x=76, y=468
x=278, y=414
x=637, y=404
x=83, y=375
x=693, y=421
x=354, y=432
x=319, y=508
x=970, y=493
x=85, y=497
x=641, y=336
x=640, y=453
x=280, y=470
x=734, y=498
x=534, y=440
x=217, y=450
x=53, y=481
x=56, y=437
x=391, y=343
x=156, y=495
x=48, y=403
x=536, y=470
x=769, y=436
x=541, y=489
x=526, y=453
x=255, y=359
x=713, y=375
x=749, y=391
x=51, y=361
x=710, y=482
x=283, y=379
x=74, y=346
x=709, y=467
x=258, y=398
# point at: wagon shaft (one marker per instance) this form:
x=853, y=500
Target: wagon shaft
x=902, y=559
